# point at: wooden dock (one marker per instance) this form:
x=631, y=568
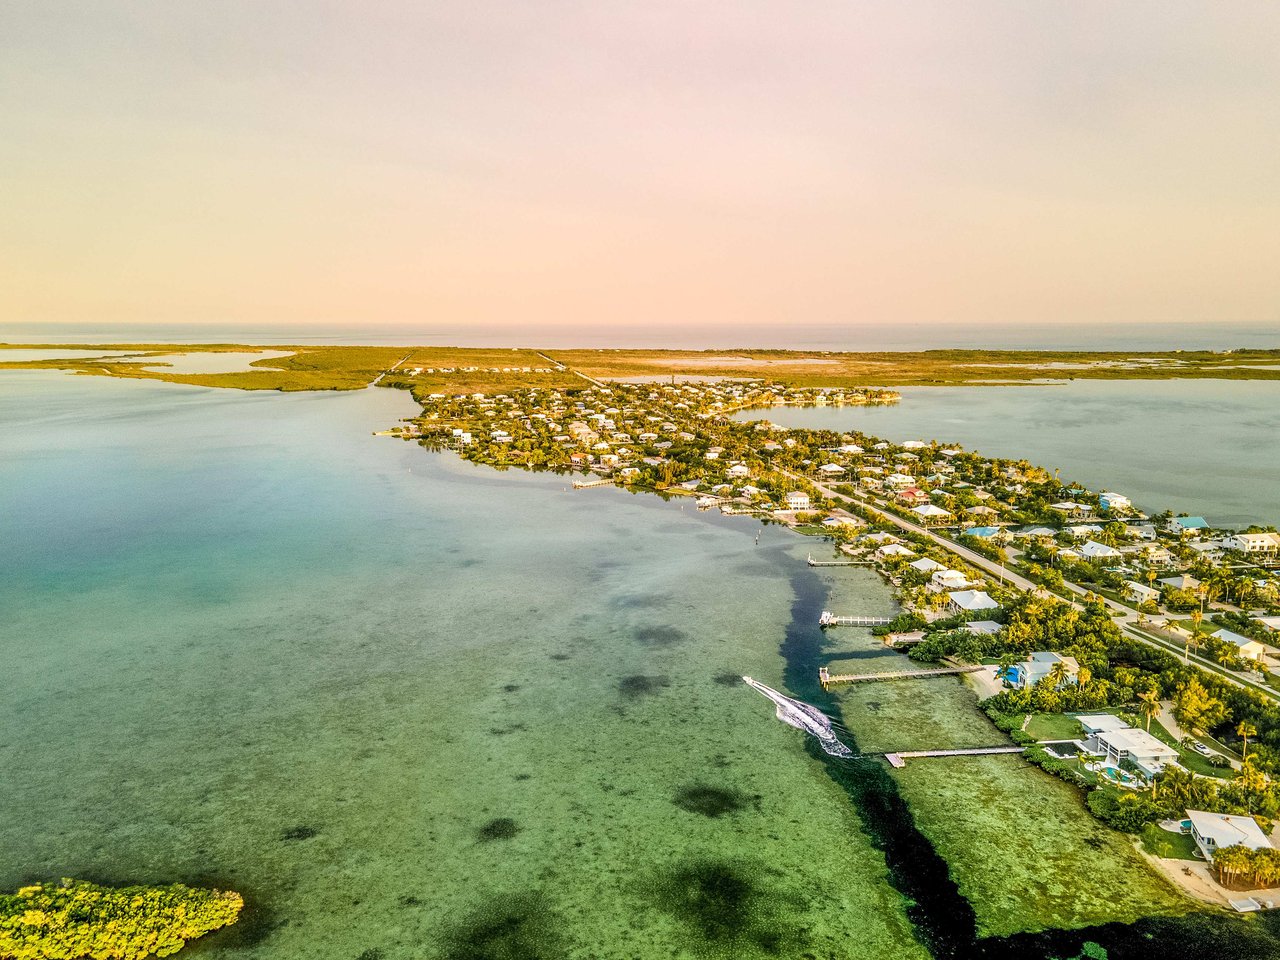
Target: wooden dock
x=827, y=679
x=900, y=759
x=829, y=619
x=837, y=563
x=584, y=484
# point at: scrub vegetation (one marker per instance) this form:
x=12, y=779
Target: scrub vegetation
x=74, y=920
x=459, y=370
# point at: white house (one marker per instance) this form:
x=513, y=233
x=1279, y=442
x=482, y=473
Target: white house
x=894, y=550
x=1146, y=752
x=1096, y=723
x=964, y=601
x=949, y=580
x=930, y=512
x=797, y=500
x=831, y=469
x=738, y=471
x=984, y=627
x=1114, y=502
x=1141, y=592
x=913, y=445
x=1213, y=831
x=1039, y=665
x=1249, y=649
x=900, y=480
x=1092, y=550
x=926, y=565
x=1255, y=543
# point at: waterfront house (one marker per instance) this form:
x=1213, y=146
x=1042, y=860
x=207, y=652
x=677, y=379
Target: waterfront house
x=1114, y=502
x=1188, y=526
x=949, y=580
x=1039, y=665
x=796, y=500
x=1213, y=831
x=967, y=601
x=894, y=550
x=1095, y=723
x=1140, y=748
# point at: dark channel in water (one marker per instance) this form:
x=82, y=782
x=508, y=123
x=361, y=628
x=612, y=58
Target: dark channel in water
x=944, y=920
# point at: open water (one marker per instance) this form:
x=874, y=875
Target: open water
x=413, y=708
x=1205, y=447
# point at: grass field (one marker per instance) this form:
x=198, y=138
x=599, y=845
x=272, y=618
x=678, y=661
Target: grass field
x=1171, y=846
x=1193, y=761
x=1053, y=726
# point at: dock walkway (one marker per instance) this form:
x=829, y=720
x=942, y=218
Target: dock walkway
x=829, y=619
x=827, y=679
x=900, y=759
x=584, y=484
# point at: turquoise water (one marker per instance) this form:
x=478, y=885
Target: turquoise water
x=414, y=708
x=1205, y=447
x=410, y=707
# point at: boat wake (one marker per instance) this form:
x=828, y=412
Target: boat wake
x=804, y=717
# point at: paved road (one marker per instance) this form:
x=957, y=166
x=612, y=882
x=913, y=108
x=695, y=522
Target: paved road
x=1125, y=623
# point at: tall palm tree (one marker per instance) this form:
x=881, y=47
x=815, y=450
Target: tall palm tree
x=1246, y=730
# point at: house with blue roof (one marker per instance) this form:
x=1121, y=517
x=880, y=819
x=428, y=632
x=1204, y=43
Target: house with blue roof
x=1188, y=526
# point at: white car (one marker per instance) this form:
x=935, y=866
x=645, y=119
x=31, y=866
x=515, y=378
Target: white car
x=1201, y=749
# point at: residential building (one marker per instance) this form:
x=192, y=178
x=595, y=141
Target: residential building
x=1114, y=502
x=1253, y=543
x=797, y=500
x=1213, y=831
x=967, y=601
x=1144, y=751
x=1249, y=649
x=1039, y=665
x=1188, y=526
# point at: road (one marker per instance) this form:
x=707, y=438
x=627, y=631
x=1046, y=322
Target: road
x=1126, y=622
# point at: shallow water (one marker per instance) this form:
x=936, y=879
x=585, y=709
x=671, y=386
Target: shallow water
x=416, y=708
x=403, y=703
x=211, y=362
x=1205, y=447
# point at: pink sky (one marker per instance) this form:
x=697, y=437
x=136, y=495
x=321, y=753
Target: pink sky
x=668, y=163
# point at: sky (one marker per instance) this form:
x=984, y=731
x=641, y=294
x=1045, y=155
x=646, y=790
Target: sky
x=658, y=163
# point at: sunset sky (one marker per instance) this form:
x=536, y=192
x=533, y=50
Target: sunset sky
x=743, y=162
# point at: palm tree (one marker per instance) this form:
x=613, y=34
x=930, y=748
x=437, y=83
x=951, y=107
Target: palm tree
x=1057, y=675
x=1246, y=730
x=1149, y=705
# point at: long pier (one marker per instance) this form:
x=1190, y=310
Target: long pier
x=829, y=619
x=837, y=563
x=584, y=484
x=900, y=759
x=827, y=679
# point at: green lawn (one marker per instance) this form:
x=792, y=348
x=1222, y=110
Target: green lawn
x=1054, y=726
x=1171, y=846
x=1189, y=758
